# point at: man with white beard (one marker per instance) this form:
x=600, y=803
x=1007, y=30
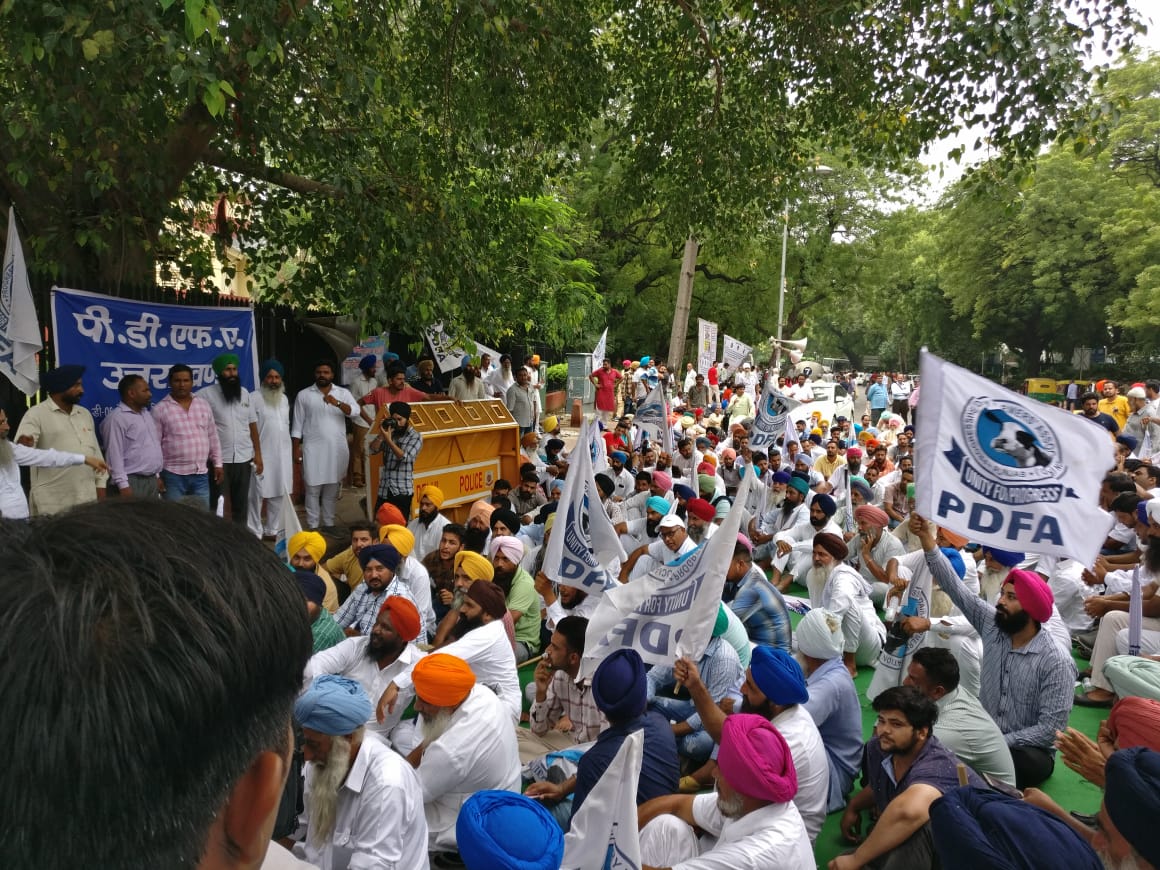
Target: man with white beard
x=363, y=802
x=841, y=590
x=13, y=504
x=792, y=547
x=468, y=743
x=269, y=488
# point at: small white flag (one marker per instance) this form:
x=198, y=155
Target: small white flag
x=583, y=540
x=20, y=337
x=1008, y=471
x=773, y=418
x=604, y=830
x=601, y=351
x=290, y=527
x=669, y=612
x=652, y=418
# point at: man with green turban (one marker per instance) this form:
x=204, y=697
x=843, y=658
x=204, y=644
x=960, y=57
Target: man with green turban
x=235, y=414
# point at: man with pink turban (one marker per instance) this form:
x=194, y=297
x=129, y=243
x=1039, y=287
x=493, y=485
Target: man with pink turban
x=751, y=812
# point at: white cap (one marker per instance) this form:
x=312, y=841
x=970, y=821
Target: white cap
x=671, y=521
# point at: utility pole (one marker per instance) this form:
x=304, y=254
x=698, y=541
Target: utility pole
x=684, y=302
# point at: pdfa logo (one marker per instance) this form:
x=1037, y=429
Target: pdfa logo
x=1010, y=441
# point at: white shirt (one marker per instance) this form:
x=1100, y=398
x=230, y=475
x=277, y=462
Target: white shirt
x=277, y=477
x=770, y=837
x=477, y=751
x=233, y=421
x=412, y=572
x=322, y=429
x=359, y=387
x=350, y=659
x=557, y=611
x=1069, y=590
x=809, y=760
x=427, y=536
x=379, y=823
x=492, y=659
x=13, y=504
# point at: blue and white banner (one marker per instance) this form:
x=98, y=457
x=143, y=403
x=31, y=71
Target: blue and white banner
x=773, y=410
x=1008, y=471
x=652, y=419
x=113, y=337
x=603, y=832
x=583, y=542
x=669, y=612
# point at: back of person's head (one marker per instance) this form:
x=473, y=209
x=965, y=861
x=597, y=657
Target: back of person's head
x=1118, y=481
x=919, y=710
x=940, y=665
x=572, y=629
x=150, y=683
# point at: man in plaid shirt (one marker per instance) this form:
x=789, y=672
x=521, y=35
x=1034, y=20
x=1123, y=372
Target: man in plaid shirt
x=358, y=613
x=400, y=444
x=189, y=440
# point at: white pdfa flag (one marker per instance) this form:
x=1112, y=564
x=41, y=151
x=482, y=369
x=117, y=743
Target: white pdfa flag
x=583, y=539
x=669, y=612
x=290, y=527
x=604, y=831
x=20, y=339
x=773, y=417
x=601, y=351
x=652, y=418
x=1006, y=470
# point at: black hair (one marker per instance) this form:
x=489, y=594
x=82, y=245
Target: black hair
x=502, y=483
x=529, y=475
x=178, y=369
x=144, y=680
x=740, y=551
x=1125, y=502
x=325, y=362
x=127, y=383
x=365, y=526
x=645, y=476
x=919, y=710
x=454, y=529
x=1088, y=396
x=1118, y=481
x=572, y=628
x=940, y=665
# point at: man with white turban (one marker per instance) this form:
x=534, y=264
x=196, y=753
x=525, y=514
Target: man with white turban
x=363, y=802
x=833, y=700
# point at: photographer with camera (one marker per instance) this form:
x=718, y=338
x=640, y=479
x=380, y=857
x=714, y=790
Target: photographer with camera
x=400, y=444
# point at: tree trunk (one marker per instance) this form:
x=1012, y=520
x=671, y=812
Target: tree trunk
x=676, y=355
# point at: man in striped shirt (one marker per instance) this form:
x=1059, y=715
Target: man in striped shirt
x=1028, y=682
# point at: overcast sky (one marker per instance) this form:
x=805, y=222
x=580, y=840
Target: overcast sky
x=937, y=153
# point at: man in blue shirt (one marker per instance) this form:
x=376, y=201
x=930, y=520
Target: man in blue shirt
x=876, y=397
x=757, y=602
x=906, y=769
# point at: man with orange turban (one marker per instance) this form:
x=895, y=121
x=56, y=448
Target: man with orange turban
x=374, y=660
x=483, y=641
x=468, y=742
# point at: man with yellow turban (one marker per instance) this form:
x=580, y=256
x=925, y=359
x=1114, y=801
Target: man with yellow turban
x=305, y=551
x=468, y=742
x=427, y=527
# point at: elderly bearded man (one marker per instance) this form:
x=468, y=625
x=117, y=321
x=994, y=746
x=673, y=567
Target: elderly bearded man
x=363, y=802
x=841, y=590
x=468, y=743
x=269, y=488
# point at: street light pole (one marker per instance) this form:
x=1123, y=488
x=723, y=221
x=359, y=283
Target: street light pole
x=781, y=291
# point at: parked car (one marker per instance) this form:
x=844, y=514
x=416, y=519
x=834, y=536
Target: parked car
x=830, y=400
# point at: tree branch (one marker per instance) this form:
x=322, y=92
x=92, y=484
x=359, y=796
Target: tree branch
x=718, y=73
x=278, y=177
x=720, y=276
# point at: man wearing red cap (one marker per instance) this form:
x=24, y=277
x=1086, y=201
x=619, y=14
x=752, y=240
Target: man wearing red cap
x=750, y=813
x=1028, y=682
x=700, y=520
x=376, y=659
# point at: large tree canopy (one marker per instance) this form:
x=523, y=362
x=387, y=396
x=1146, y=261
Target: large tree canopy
x=399, y=160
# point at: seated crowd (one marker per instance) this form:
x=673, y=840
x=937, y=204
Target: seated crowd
x=362, y=706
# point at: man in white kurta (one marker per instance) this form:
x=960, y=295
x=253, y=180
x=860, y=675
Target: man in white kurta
x=841, y=590
x=269, y=489
x=469, y=743
x=318, y=436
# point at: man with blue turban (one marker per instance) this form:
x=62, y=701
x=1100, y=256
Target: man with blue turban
x=499, y=830
x=363, y=802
